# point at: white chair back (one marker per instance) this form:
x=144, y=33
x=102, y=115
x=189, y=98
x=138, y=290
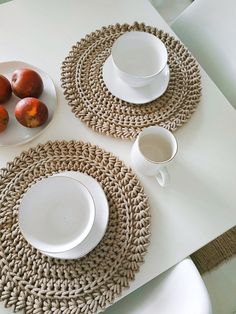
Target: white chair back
x=208, y=29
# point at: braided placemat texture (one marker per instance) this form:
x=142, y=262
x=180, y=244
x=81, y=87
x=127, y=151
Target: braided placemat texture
x=216, y=252
x=90, y=100
x=35, y=283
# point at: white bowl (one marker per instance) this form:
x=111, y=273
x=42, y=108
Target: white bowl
x=56, y=214
x=138, y=58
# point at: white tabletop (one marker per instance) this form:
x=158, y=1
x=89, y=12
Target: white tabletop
x=200, y=203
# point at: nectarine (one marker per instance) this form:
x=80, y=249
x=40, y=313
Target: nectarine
x=26, y=83
x=5, y=89
x=4, y=118
x=31, y=112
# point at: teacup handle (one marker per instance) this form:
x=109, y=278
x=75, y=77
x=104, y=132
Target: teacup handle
x=163, y=177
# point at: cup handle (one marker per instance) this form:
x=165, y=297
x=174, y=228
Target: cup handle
x=163, y=177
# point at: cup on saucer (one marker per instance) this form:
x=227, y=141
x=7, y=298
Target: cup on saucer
x=137, y=69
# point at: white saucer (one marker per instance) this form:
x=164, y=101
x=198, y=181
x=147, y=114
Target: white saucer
x=17, y=134
x=100, y=222
x=135, y=95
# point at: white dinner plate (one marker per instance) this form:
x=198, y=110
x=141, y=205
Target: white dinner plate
x=17, y=134
x=56, y=214
x=135, y=95
x=100, y=222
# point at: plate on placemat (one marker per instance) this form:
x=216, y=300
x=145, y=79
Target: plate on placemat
x=135, y=95
x=98, y=278
x=59, y=215
x=100, y=221
x=17, y=134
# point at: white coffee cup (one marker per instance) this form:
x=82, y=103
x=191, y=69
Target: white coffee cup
x=138, y=58
x=154, y=148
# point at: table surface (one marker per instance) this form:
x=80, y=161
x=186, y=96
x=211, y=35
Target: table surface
x=199, y=205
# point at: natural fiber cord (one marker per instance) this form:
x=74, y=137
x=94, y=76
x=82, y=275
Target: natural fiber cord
x=216, y=252
x=35, y=283
x=92, y=103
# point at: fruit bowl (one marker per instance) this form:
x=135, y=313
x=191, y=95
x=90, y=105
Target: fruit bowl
x=17, y=134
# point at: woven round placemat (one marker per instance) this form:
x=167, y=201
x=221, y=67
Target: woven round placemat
x=36, y=283
x=91, y=101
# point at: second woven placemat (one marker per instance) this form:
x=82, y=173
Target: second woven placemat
x=35, y=283
x=91, y=101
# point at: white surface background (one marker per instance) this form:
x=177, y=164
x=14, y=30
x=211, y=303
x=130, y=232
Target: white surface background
x=191, y=27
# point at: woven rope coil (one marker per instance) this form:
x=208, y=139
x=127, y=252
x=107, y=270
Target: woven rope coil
x=35, y=283
x=91, y=101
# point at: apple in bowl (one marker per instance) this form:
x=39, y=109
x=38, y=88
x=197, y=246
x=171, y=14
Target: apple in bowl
x=26, y=83
x=4, y=118
x=31, y=112
x=5, y=89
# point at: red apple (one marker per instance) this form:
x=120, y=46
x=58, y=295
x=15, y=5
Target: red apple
x=4, y=118
x=26, y=83
x=5, y=89
x=31, y=112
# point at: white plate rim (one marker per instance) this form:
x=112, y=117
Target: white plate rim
x=31, y=194
x=44, y=127
x=108, y=65
x=80, y=176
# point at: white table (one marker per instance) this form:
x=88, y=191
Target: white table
x=200, y=203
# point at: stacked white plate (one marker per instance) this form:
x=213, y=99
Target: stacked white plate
x=65, y=215
x=17, y=134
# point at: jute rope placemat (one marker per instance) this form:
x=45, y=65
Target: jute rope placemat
x=216, y=252
x=35, y=283
x=91, y=102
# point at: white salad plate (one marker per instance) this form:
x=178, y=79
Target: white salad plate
x=135, y=95
x=56, y=214
x=17, y=134
x=100, y=220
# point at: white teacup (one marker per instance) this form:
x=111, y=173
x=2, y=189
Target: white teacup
x=56, y=214
x=154, y=148
x=138, y=58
